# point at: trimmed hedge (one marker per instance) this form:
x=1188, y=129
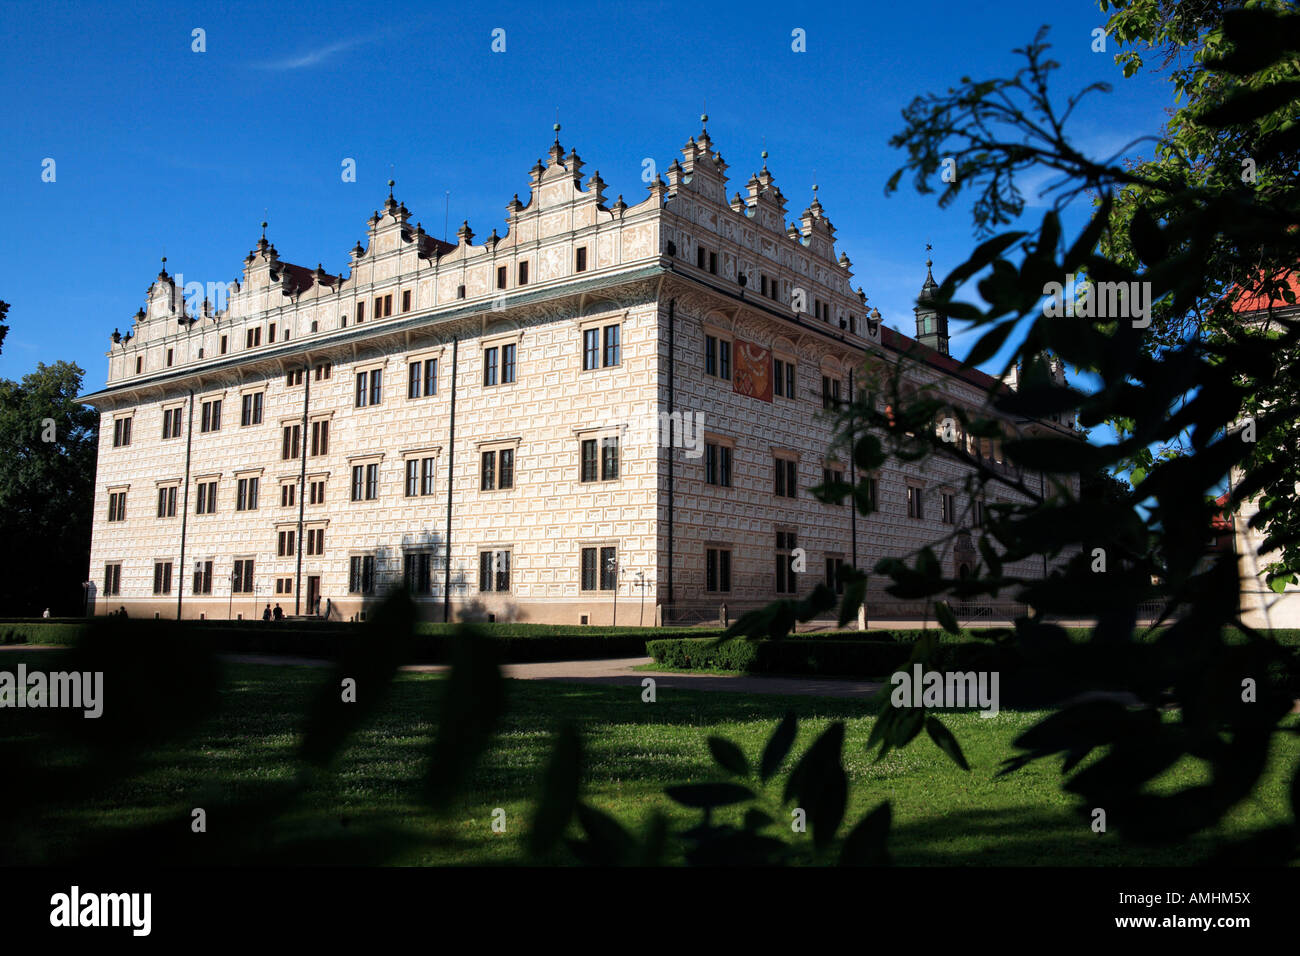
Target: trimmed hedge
x=1026, y=678
x=327, y=640
x=812, y=656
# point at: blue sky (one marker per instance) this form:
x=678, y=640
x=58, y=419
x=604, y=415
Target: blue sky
x=160, y=149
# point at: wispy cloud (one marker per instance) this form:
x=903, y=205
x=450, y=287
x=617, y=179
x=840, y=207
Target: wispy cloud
x=314, y=57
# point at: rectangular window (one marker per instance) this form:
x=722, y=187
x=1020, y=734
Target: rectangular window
x=293, y=377
x=252, y=337
x=288, y=495
x=609, y=569
x=710, y=355
x=783, y=375
x=361, y=574
x=590, y=558
x=833, y=566
x=224, y=347
x=948, y=507
x=490, y=366
x=121, y=432
x=717, y=570
x=589, y=471
x=207, y=503
x=523, y=273
x=317, y=493
x=290, y=439
x=412, y=486
x=162, y=577
x=171, y=423
x=487, y=476
x=139, y=362
x=370, y=387
x=250, y=412
x=507, y=364
x=832, y=476
x=112, y=580
x=372, y=481
x=613, y=348
x=787, y=477
x=422, y=378
x=580, y=264
x=426, y=475
x=315, y=541
x=358, y=482
x=241, y=578
x=167, y=502
x=117, y=506
x=724, y=359
x=830, y=392
x=320, y=438
x=211, y=417
x=914, y=507
x=609, y=459
x=494, y=571
x=501, y=277
x=270, y=333
x=786, y=542
x=246, y=494
x=590, y=349
x=284, y=544
x=868, y=492
x=202, y=577
x=323, y=370
x=977, y=518
x=416, y=568
x=361, y=312
x=717, y=465
x=406, y=300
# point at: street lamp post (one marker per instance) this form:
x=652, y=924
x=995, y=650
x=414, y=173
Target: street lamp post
x=640, y=580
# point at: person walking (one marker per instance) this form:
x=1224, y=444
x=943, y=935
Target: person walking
x=279, y=612
x=266, y=615
x=47, y=613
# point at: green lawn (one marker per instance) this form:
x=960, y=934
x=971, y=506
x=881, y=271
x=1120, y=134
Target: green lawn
x=942, y=815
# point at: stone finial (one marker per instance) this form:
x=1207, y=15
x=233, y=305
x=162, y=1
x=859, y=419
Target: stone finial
x=117, y=336
x=464, y=234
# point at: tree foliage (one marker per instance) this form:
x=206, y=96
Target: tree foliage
x=49, y=442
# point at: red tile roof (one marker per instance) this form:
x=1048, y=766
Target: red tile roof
x=1259, y=302
x=898, y=342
